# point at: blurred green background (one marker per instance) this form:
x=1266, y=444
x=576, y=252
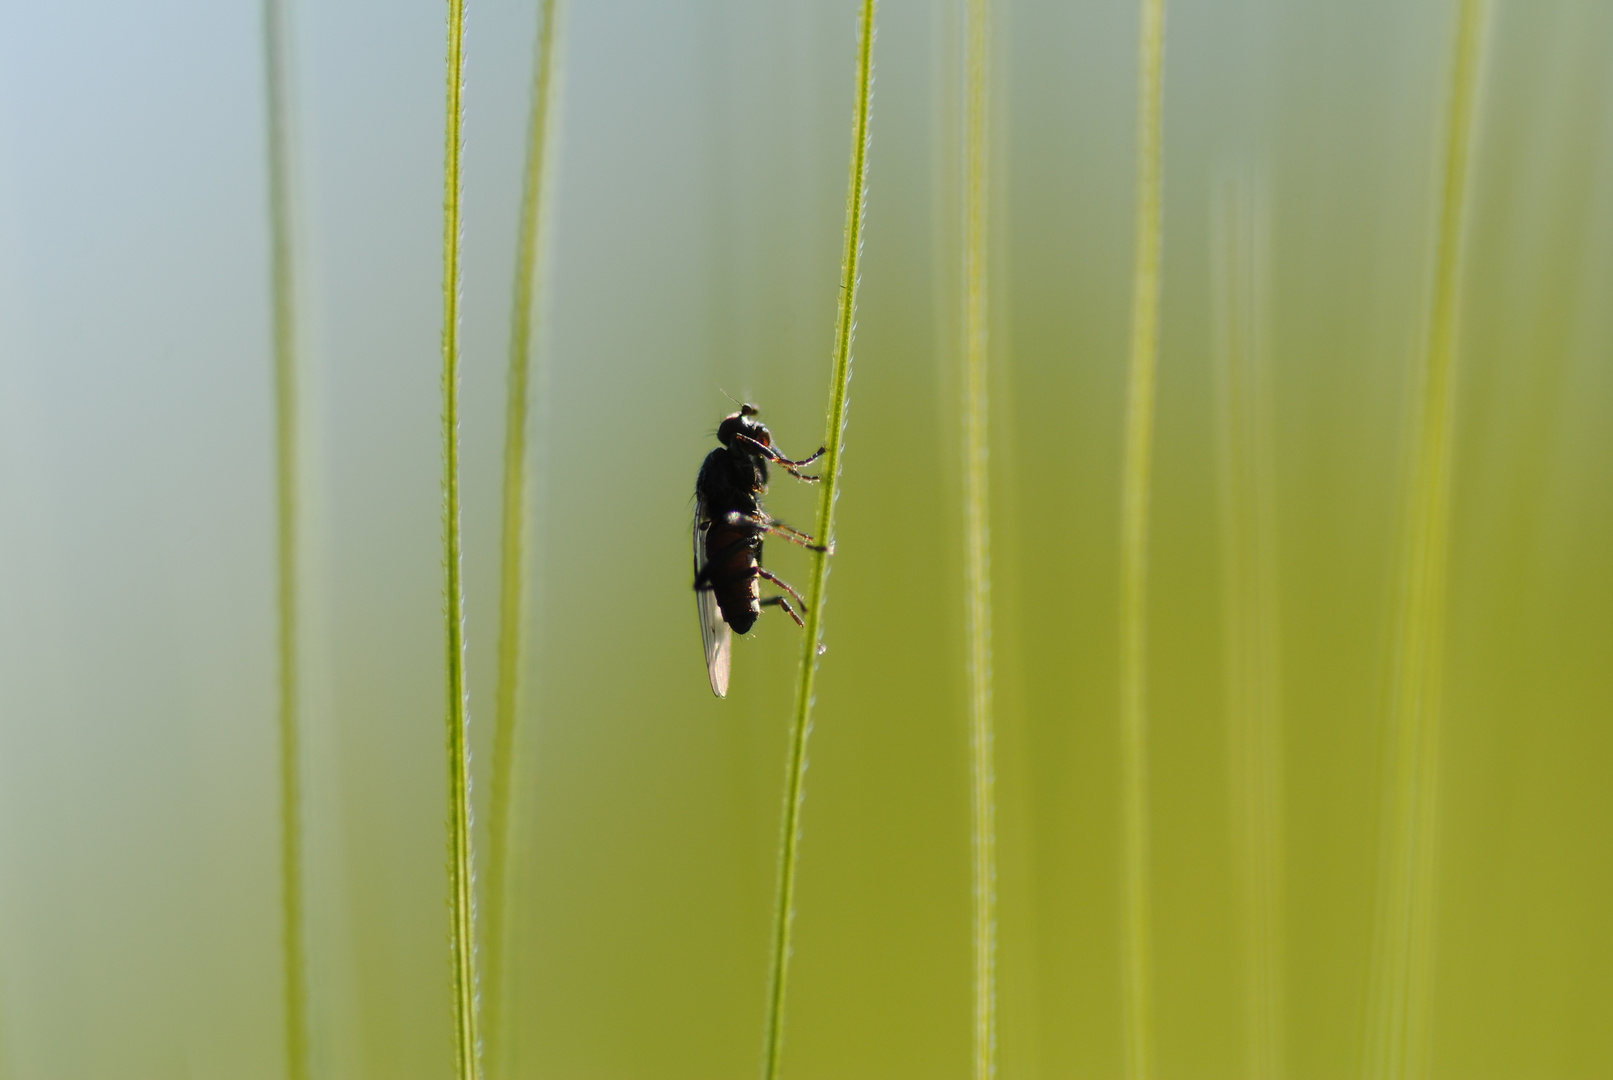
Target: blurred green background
x=695, y=246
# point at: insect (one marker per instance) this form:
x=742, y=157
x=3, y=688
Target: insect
x=729, y=524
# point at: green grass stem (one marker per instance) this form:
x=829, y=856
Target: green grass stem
x=1401, y=992
x=977, y=531
x=277, y=78
x=1134, y=495
x=461, y=892
x=834, y=438
x=516, y=526
x=1250, y=612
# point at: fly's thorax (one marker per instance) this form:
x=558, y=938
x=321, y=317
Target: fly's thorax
x=733, y=479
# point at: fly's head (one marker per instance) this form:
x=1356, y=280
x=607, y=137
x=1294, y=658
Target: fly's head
x=744, y=434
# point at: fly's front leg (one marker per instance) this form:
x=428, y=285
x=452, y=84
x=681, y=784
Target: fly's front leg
x=799, y=475
x=791, y=466
x=779, y=459
x=809, y=459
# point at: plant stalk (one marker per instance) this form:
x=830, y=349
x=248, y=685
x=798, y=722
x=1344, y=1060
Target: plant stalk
x=516, y=527
x=845, y=327
x=277, y=77
x=1251, y=630
x=1134, y=495
x=977, y=525
x=1402, y=989
x=461, y=894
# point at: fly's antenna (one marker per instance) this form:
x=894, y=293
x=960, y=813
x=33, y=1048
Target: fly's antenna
x=745, y=408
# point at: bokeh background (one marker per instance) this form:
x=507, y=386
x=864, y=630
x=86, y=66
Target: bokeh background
x=697, y=217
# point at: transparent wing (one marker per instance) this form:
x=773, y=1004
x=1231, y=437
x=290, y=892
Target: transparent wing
x=714, y=633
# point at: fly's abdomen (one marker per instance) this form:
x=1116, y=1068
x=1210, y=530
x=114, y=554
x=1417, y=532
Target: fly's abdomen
x=733, y=578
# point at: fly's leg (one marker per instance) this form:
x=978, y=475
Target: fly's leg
x=796, y=536
x=779, y=459
x=768, y=525
x=774, y=454
x=779, y=601
x=763, y=572
x=809, y=459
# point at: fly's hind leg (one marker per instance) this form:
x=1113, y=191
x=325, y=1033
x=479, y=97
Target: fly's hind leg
x=764, y=572
x=779, y=601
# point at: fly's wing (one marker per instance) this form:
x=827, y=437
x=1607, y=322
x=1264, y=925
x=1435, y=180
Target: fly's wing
x=714, y=633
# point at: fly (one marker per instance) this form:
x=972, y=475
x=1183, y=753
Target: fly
x=729, y=524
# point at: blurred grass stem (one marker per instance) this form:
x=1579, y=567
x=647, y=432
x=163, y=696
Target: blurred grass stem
x=461, y=895
x=516, y=526
x=978, y=541
x=277, y=78
x=845, y=328
x=1402, y=977
x=1134, y=496
x=1250, y=611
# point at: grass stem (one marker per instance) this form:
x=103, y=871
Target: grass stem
x=1402, y=977
x=277, y=77
x=516, y=526
x=1250, y=628
x=978, y=542
x=461, y=892
x=845, y=327
x=1134, y=496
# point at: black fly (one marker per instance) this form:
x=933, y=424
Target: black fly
x=729, y=524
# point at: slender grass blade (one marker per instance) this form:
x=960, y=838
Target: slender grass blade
x=977, y=542
x=277, y=78
x=517, y=529
x=461, y=894
x=1401, y=993
x=1134, y=497
x=845, y=327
